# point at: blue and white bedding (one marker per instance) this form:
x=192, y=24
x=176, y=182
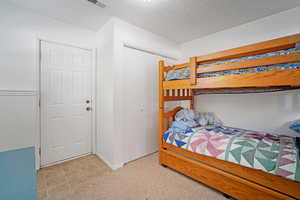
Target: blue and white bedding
x=178, y=74
x=295, y=126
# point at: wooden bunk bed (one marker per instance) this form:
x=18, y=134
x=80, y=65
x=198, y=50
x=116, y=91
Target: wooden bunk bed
x=232, y=179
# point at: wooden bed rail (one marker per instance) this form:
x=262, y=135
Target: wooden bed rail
x=174, y=67
x=284, y=79
x=293, y=57
x=253, y=49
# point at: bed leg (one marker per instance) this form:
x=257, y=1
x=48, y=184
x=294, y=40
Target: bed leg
x=165, y=166
x=227, y=196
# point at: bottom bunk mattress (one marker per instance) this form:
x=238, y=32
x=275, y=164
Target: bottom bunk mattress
x=274, y=154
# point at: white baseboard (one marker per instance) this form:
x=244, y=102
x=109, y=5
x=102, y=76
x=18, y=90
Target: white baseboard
x=61, y=161
x=112, y=166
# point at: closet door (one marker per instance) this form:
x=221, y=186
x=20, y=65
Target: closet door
x=140, y=103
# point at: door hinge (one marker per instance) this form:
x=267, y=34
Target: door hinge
x=40, y=151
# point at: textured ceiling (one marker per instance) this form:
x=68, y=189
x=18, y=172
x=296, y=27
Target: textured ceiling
x=178, y=20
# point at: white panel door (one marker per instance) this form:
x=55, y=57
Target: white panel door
x=66, y=90
x=140, y=103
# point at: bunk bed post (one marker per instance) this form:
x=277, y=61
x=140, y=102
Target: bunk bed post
x=161, y=104
x=192, y=102
x=193, y=70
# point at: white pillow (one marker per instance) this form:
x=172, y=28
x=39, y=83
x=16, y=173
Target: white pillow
x=286, y=130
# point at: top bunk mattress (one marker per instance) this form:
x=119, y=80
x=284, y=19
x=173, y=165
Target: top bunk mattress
x=274, y=154
x=184, y=73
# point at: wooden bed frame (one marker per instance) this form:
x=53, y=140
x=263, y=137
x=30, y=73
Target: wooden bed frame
x=235, y=180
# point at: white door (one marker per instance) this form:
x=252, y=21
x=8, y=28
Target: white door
x=140, y=103
x=66, y=89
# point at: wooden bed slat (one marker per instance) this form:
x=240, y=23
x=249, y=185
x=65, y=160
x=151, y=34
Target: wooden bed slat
x=274, y=182
x=173, y=93
x=293, y=57
x=260, y=79
x=169, y=68
x=264, y=89
x=253, y=49
x=167, y=93
x=178, y=98
x=178, y=84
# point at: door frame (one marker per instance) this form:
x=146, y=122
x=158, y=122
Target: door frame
x=39, y=121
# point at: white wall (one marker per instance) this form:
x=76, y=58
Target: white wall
x=105, y=94
x=254, y=111
x=19, y=30
x=262, y=112
x=134, y=36
x=116, y=33
x=17, y=120
x=274, y=26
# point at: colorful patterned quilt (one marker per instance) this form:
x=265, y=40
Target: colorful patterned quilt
x=279, y=155
x=184, y=73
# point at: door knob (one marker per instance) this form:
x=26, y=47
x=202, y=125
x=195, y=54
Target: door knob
x=88, y=109
x=87, y=101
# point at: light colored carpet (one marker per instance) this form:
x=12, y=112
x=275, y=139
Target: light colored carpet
x=89, y=178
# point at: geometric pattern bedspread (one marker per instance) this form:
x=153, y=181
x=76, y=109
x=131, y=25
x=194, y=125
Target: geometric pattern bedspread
x=278, y=155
